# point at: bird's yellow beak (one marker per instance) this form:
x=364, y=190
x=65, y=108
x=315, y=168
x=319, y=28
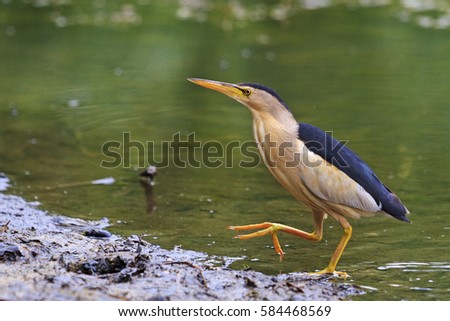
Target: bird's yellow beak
x=231, y=90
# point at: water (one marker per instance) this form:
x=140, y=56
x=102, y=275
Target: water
x=75, y=77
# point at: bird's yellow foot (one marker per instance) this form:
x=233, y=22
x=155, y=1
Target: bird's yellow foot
x=332, y=272
x=265, y=228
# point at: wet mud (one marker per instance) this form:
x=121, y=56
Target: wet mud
x=52, y=257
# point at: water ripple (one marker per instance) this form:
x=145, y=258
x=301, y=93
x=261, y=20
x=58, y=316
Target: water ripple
x=417, y=266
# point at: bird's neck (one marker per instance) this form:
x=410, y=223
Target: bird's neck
x=282, y=127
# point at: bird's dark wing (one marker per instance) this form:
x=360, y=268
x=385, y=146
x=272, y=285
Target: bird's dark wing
x=337, y=154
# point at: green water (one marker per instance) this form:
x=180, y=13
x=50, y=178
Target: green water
x=74, y=77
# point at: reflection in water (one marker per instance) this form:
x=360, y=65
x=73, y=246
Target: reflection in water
x=425, y=279
x=430, y=14
x=418, y=266
x=101, y=181
x=423, y=13
x=147, y=183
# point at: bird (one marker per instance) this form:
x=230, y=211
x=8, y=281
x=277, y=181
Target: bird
x=317, y=169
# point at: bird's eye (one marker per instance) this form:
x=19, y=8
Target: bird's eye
x=246, y=92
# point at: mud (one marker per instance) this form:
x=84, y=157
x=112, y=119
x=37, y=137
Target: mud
x=52, y=257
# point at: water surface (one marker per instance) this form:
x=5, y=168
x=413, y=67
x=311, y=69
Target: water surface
x=75, y=77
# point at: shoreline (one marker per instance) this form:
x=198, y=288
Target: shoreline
x=54, y=257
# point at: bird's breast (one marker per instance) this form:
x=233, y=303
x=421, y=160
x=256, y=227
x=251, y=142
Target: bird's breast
x=278, y=145
x=282, y=153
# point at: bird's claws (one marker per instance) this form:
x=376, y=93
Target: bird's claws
x=266, y=228
x=281, y=254
x=343, y=275
x=331, y=273
x=277, y=246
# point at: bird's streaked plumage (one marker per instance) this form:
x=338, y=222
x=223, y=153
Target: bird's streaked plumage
x=315, y=168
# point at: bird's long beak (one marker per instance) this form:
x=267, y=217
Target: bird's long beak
x=231, y=90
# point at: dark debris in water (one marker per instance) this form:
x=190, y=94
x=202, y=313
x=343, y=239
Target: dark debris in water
x=45, y=257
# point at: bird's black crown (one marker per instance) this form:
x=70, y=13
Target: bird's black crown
x=268, y=90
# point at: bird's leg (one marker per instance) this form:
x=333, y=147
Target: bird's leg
x=273, y=228
x=331, y=268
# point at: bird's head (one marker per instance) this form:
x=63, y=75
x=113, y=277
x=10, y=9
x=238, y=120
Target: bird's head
x=258, y=98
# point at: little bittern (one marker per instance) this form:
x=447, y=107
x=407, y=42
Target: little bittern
x=315, y=168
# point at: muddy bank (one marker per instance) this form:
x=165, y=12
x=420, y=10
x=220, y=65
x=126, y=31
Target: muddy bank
x=48, y=257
